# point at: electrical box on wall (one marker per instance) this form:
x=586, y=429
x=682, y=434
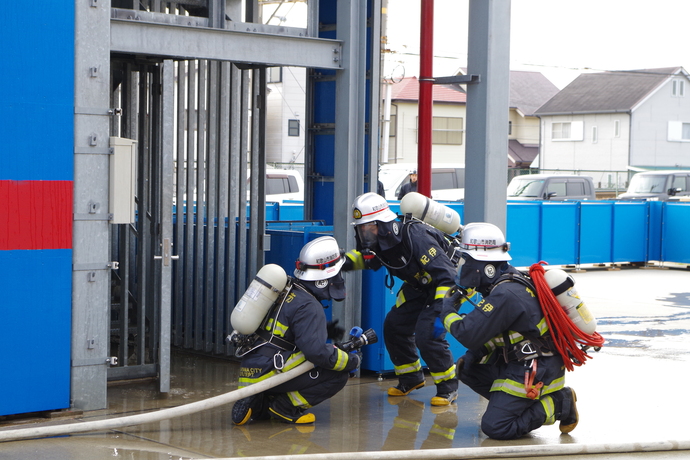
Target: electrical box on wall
x=123, y=179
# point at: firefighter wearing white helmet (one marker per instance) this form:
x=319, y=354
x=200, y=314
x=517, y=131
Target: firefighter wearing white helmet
x=296, y=332
x=416, y=253
x=510, y=359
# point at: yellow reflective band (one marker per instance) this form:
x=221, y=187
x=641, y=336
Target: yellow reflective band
x=515, y=337
x=246, y=381
x=443, y=376
x=298, y=449
x=408, y=368
x=518, y=389
x=447, y=433
x=549, y=410
x=298, y=400
x=357, y=259
x=441, y=292
x=406, y=424
x=400, y=299
x=280, y=329
x=450, y=319
x=543, y=326
x=293, y=361
x=342, y=360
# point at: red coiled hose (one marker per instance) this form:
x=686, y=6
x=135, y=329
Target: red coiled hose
x=565, y=334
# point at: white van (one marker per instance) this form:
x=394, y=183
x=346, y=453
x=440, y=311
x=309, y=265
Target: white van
x=282, y=184
x=447, y=180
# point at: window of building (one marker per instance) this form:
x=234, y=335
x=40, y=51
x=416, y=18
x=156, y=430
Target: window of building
x=293, y=127
x=678, y=88
x=616, y=128
x=447, y=131
x=567, y=131
x=393, y=125
x=678, y=131
x=595, y=135
x=274, y=74
x=510, y=128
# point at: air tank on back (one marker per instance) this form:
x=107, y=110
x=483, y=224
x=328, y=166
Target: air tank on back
x=563, y=287
x=261, y=294
x=435, y=214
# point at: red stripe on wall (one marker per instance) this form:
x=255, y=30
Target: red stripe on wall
x=35, y=214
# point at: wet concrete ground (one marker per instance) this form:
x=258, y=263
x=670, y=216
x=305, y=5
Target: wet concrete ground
x=633, y=390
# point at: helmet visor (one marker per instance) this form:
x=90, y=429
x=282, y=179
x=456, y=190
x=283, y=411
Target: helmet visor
x=368, y=234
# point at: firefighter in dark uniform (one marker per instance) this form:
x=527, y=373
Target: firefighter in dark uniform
x=414, y=252
x=294, y=333
x=511, y=359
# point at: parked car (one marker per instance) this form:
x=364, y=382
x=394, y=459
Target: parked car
x=658, y=186
x=552, y=187
x=282, y=184
x=447, y=180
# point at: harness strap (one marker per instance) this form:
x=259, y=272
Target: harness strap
x=277, y=341
x=531, y=389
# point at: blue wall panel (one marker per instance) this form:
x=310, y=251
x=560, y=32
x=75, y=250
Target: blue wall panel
x=36, y=110
x=35, y=324
x=560, y=233
x=524, y=233
x=674, y=241
x=596, y=232
x=630, y=232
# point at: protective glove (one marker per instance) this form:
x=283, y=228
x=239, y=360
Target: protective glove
x=454, y=298
x=354, y=361
x=334, y=332
x=438, y=328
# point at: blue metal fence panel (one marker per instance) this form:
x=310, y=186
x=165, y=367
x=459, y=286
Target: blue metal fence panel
x=596, y=232
x=655, y=224
x=560, y=233
x=524, y=233
x=674, y=241
x=630, y=232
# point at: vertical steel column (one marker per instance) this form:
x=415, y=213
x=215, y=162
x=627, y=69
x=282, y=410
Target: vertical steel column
x=91, y=229
x=257, y=217
x=349, y=140
x=426, y=88
x=183, y=205
x=376, y=65
x=487, y=112
x=201, y=198
x=223, y=200
x=166, y=187
x=210, y=264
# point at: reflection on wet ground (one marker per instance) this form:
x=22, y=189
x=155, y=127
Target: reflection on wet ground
x=626, y=393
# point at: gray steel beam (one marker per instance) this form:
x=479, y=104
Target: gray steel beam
x=188, y=42
x=91, y=238
x=350, y=109
x=487, y=112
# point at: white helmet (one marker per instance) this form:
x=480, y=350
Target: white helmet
x=371, y=207
x=319, y=259
x=485, y=242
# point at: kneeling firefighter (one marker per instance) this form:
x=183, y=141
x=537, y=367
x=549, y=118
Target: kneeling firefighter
x=511, y=358
x=294, y=331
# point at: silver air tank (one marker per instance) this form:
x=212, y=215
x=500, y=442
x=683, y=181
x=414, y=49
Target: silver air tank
x=563, y=287
x=256, y=301
x=427, y=210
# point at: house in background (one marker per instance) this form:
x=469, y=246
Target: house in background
x=448, y=125
x=528, y=91
x=285, y=115
x=622, y=121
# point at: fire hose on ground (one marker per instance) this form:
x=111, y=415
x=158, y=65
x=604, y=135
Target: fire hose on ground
x=150, y=417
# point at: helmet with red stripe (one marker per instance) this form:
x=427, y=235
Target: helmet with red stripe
x=371, y=207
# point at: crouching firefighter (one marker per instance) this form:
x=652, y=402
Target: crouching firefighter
x=511, y=360
x=295, y=330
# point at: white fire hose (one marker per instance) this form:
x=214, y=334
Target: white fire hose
x=490, y=452
x=164, y=414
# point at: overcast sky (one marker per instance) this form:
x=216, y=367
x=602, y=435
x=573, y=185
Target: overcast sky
x=559, y=38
